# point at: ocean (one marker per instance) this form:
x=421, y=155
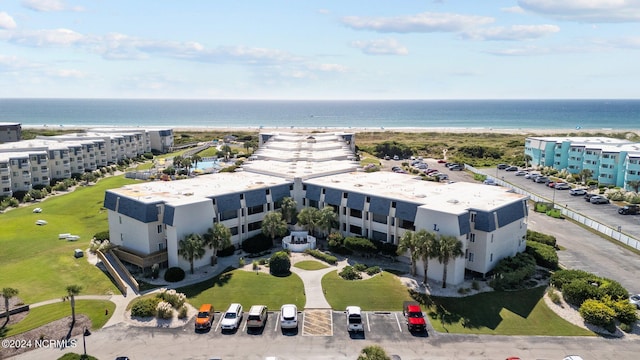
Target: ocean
x=471, y=114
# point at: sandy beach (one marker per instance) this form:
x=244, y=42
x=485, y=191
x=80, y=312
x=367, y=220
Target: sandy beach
x=451, y=130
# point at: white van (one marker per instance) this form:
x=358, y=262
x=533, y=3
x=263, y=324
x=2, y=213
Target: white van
x=354, y=319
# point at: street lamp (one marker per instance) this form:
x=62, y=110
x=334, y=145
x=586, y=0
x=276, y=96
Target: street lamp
x=84, y=342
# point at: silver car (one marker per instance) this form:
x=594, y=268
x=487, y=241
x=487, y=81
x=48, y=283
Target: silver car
x=289, y=316
x=635, y=300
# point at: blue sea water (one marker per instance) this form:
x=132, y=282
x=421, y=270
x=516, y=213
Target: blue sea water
x=489, y=114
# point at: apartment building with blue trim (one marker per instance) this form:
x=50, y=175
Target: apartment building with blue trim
x=147, y=220
x=611, y=161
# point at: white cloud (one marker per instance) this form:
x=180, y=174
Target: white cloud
x=387, y=46
x=524, y=51
x=6, y=21
x=55, y=37
x=512, y=33
x=335, y=68
x=422, y=23
x=605, y=11
x=513, y=10
x=67, y=73
x=49, y=5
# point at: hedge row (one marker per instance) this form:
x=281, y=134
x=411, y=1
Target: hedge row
x=541, y=238
x=330, y=259
x=545, y=255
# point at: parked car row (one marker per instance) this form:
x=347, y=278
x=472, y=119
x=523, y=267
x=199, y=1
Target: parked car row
x=233, y=316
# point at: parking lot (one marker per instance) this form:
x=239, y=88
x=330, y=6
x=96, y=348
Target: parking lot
x=378, y=325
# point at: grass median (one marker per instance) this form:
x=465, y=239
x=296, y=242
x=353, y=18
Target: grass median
x=247, y=288
x=310, y=265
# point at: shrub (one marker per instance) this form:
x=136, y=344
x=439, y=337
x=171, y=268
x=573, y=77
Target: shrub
x=562, y=277
x=386, y=248
x=145, y=307
x=280, y=264
x=255, y=265
x=360, y=267
x=578, y=291
x=172, y=297
x=349, y=273
x=625, y=311
x=373, y=270
x=359, y=244
x=553, y=295
x=545, y=255
x=475, y=285
x=228, y=251
x=257, y=244
x=511, y=272
x=174, y=274
x=541, y=238
x=597, y=313
x=164, y=310
x=613, y=289
x=330, y=259
x=102, y=235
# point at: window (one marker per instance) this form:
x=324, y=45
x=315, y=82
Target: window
x=255, y=209
x=473, y=217
x=382, y=219
x=470, y=257
x=234, y=230
x=229, y=214
x=120, y=219
x=472, y=237
x=159, y=230
x=491, y=257
x=160, y=246
x=405, y=224
x=355, y=213
x=313, y=203
x=393, y=204
x=255, y=226
x=355, y=229
x=377, y=235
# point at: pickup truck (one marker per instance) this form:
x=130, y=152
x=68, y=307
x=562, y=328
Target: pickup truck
x=414, y=316
x=629, y=210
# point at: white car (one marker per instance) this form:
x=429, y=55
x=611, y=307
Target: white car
x=289, y=316
x=577, y=192
x=37, y=210
x=232, y=317
x=520, y=173
x=572, y=357
x=562, y=186
x=635, y=300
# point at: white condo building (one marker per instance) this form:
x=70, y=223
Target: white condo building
x=147, y=220
x=26, y=163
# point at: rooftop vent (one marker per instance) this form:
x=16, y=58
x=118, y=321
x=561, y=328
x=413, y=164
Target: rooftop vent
x=453, y=201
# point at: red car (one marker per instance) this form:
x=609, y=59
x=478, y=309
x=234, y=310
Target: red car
x=441, y=161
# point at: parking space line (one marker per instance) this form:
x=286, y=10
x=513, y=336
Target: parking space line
x=368, y=324
x=398, y=321
x=244, y=328
x=275, y=328
x=218, y=323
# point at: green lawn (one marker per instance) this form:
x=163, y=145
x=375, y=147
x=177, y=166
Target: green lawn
x=381, y=292
x=43, y=315
x=247, y=288
x=310, y=265
x=39, y=265
x=500, y=313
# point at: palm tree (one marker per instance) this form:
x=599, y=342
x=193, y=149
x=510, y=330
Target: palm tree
x=72, y=291
x=274, y=225
x=326, y=219
x=586, y=174
x=8, y=293
x=408, y=243
x=527, y=159
x=634, y=184
x=425, y=245
x=446, y=248
x=177, y=161
x=217, y=237
x=308, y=218
x=288, y=209
x=191, y=248
x=195, y=159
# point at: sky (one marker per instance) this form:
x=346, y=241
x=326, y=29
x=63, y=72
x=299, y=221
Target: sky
x=332, y=49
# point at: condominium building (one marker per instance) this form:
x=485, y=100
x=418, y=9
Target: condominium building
x=611, y=161
x=26, y=163
x=148, y=220
x=10, y=132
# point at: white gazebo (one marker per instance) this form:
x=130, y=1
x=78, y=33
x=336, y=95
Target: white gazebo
x=299, y=241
